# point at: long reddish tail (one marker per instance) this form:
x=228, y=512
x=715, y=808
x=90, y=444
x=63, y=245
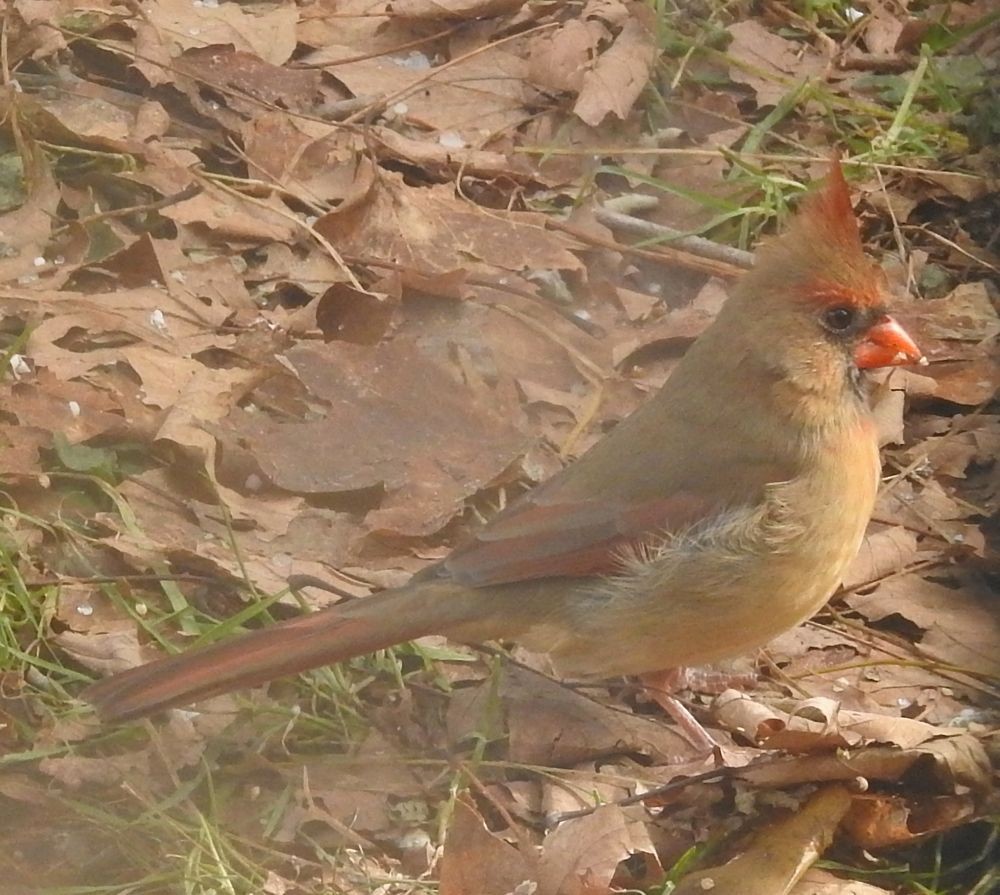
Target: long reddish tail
x=321, y=638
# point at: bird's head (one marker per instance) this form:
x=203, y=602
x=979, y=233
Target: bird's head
x=818, y=306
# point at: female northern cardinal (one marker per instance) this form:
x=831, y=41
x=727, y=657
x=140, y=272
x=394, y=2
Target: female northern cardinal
x=720, y=514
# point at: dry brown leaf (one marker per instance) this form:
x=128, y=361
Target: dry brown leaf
x=768, y=63
x=428, y=230
x=780, y=854
x=882, y=29
x=73, y=409
x=348, y=794
x=818, y=724
x=204, y=397
x=107, y=120
x=106, y=652
x=217, y=216
x=581, y=856
x=269, y=34
x=882, y=820
x=559, y=59
x=958, y=334
x=970, y=439
x=395, y=419
x=248, y=82
x=25, y=231
x=550, y=724
x=959, y=624
x=314, y=161
x=469, y=100
x=620, y=73
x=939, y=765
x=476, y=860
x=445, y=160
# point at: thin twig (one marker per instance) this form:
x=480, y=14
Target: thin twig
x=696, y=245
x=660, y=255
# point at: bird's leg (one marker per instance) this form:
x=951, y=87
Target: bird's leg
x=659, y=687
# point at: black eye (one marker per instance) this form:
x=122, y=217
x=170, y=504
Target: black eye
x=839, y=319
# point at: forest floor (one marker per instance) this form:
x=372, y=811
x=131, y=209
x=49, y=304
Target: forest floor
x=311, y=289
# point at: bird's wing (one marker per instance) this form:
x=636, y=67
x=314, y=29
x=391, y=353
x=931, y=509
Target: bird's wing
x=534, y=540
x=582, y=520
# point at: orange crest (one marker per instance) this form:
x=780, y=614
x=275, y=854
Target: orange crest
x=822, y=248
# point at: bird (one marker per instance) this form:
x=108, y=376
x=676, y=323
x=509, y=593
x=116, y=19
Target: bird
x=721, y=513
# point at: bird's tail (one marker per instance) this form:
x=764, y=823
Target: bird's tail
x=287, y=648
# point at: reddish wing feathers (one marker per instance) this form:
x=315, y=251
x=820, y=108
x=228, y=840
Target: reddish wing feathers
x=534, y=540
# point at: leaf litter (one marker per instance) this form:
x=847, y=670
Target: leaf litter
x=297, y=295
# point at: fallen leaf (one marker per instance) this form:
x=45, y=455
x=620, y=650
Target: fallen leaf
x=476, y=860
x=428, y=230
x=779, y=855
x=395, y=419
x=614, y=82
x=768, y=63
x=269, y=34
x=581, y=856
x=877, y=820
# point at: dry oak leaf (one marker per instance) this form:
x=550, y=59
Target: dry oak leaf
x=429, y=230
x=21, y=447
x=622, y=71
x=475, y=98
x=30, y=31
x=247, y=81
x=76, y=409
x=476, y=860
x=819, y=723
x=228, y=218
x=192, y=534
x=98, y=117
x=767, y=63
x=109, y=651
x=958, y=333
x=269, y=35
x=884, y=551
x=942, y=764
x=960, y=624
x=552, y=725
x=310, y=160
x=581, y=856
x=880, y=820
x=90, y=331
x=561, y=58
x=438, y=159
x=396, y=418
x=341, y=791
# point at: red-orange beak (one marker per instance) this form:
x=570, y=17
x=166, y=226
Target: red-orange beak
x=887, y=344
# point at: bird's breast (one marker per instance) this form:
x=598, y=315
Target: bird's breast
x=730, y=585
